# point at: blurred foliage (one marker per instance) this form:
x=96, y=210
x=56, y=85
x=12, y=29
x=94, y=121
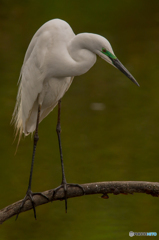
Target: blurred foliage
x=119, y=142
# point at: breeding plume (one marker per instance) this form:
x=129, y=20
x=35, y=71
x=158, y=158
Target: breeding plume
x=54, y=57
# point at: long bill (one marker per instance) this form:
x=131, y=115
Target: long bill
x=121, y=67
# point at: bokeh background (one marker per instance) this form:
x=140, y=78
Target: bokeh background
x=119, y=141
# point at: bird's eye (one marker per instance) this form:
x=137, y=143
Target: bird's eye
x=104, y=50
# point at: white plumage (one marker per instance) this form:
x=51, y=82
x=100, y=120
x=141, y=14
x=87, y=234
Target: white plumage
x=54, y=56
x=38, y=83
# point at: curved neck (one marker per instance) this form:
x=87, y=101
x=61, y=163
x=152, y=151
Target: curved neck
x=80, y=50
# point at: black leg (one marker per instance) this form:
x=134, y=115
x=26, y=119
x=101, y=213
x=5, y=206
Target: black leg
x=58, y=130
x=64, y=184
x=29, y=193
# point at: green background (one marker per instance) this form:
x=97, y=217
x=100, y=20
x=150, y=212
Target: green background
x=120, y=142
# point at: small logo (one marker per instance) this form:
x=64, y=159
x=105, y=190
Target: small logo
x=132, y=234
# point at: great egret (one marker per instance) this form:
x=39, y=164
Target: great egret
x=54, y=56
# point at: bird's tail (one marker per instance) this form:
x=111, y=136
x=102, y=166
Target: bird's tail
x=17, y=117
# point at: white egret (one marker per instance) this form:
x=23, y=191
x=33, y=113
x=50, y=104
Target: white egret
x=54, y=57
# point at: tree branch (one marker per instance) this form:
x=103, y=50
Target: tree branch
x=115, y=187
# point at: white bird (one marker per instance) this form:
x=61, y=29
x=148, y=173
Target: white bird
x=54, y=57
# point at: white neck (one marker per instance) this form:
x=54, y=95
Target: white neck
x=82, y=54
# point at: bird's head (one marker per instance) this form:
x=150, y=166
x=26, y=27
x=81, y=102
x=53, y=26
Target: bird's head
x=105, y=51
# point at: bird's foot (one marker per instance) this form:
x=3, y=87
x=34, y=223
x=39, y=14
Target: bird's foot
x=65, y=186
x=29, y=195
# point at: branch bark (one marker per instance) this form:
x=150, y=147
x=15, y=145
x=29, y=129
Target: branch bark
x=104, y=188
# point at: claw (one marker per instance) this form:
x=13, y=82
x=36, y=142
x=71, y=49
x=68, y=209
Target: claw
x=64, y=186
x=29, y=195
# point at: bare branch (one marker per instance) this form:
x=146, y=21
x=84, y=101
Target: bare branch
x=104, y=188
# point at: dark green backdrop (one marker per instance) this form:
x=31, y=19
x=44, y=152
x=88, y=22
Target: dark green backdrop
x=120, y=142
